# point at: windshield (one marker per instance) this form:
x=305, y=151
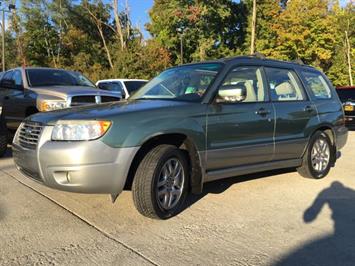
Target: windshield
x=346, y=94
x=186, y=83
x=56, y=77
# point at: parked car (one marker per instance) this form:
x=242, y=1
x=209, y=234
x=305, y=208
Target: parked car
x=347, y=97
x=25, y=91
x=190, y=125
x=123, y=87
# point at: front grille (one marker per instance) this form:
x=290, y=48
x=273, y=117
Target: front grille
x=106, y=99
x=29, y=134
x=83, y=100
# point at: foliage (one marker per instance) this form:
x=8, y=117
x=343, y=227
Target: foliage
x=209, y=28
x=97, y=37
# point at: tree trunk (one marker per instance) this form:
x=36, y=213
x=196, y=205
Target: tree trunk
x=98, y=24
x=118, y=24
x=348, y=55
x=253, y=29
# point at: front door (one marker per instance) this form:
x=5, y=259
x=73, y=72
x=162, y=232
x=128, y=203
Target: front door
x=240, y=131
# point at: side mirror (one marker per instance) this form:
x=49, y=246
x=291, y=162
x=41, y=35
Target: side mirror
x=232, y=93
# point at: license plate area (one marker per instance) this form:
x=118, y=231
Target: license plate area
x=349, y=108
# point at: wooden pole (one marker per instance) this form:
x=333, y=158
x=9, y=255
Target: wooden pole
x=348, y=49
x=253, y=29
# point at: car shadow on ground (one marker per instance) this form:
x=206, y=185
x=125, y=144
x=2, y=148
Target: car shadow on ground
x=8, y=153
x=333, y=249
x=220, y=186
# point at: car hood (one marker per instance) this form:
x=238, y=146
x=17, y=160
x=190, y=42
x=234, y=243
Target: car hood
x=109, y=111
x=68, y=91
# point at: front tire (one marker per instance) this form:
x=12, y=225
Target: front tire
x=160, y=185
x=318, y=158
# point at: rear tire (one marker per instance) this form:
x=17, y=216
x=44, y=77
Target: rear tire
x=318, y=158
x=160, y=185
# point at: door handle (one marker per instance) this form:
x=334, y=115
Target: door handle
x=262, y=112
x=308, y=109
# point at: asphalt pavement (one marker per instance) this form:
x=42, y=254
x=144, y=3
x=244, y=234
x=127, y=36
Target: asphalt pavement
x=270, y=218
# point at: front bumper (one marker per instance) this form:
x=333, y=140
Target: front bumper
x=350, y=121
x=82, y=166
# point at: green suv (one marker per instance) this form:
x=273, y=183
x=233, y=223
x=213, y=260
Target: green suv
x=190, y=125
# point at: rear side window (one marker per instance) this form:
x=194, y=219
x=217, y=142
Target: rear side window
x=132, y=86
x=317, y=84
x=283, y=85
x=111, y=86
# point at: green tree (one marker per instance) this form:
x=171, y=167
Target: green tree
x=211, y=29
x=306, y=30
x=339, y=70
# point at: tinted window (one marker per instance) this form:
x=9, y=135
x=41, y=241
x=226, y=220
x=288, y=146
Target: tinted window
x=8, y=75
x=17, y=77
x=56, y=77
x=111, y=86
x=185, y=83
x=250, y=80
x=283, y=85
x=6, y=80
x=317, y=84
x=132, y=86
x=346, y=94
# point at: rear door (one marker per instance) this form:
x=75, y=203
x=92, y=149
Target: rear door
x=294, y=112
x=241, y=133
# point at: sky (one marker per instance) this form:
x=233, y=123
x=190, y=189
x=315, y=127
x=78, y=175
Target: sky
x=139, y=13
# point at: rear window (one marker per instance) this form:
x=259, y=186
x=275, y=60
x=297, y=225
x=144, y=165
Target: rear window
x=132, y=86
x=346, y=94
x=319, y=87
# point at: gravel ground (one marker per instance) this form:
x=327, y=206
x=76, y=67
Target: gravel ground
x=265, y=219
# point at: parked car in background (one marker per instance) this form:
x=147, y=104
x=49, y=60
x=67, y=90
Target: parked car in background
x=190, y=125
x=124, y=87
x=28, y=90
x=347, y=97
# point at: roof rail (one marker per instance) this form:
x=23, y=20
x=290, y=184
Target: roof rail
x=298, y=61
x=258, y=55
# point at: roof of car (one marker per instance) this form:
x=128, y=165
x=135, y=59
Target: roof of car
x=109, y=80
x=253, y=58
x=36, y=67
x=346, y=88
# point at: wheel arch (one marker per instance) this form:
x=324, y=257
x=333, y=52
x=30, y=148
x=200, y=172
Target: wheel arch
x=180, y=140
x=327, y=129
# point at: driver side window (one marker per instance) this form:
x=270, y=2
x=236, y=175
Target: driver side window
x=243, y=84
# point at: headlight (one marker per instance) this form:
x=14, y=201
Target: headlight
x=50, y=105
x=72, y=130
